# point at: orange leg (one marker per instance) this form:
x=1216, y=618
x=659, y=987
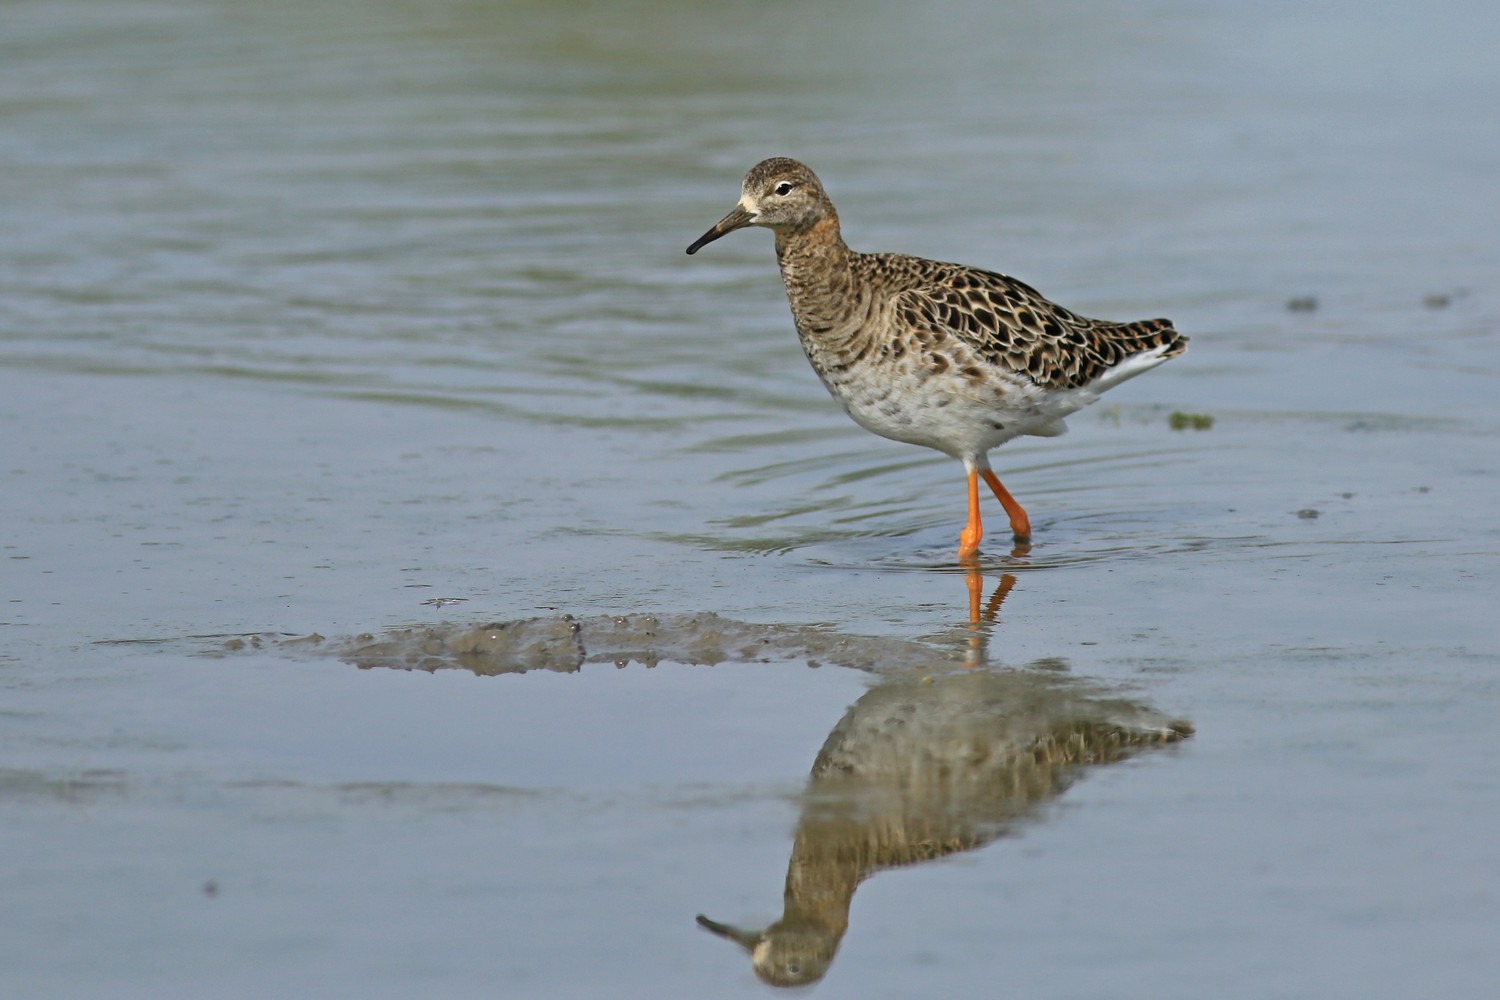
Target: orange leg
x=968, y=542
x=1020, y=524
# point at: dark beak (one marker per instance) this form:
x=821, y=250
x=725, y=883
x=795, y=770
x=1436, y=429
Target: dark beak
x=738, y=219
x=745, y=939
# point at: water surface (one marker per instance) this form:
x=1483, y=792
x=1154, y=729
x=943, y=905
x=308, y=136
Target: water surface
x=327, y=325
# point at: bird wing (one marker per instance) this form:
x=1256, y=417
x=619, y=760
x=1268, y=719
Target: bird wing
x=1010, y=324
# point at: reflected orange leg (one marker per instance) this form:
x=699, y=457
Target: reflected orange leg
x=982, y=622
x=968, y=542
x=992, y=611
x=1020, y=524
x=975, y=581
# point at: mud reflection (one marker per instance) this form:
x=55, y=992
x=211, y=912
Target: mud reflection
x=928, y=764
x=565, y=643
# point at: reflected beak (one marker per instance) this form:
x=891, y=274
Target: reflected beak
x=738, y=219
x=745, y=939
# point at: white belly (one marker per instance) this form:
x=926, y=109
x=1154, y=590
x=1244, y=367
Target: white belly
x=954, y=415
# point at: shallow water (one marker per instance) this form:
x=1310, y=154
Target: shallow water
x=334, y=333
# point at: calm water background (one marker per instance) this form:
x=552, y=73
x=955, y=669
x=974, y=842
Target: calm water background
x=315, y=316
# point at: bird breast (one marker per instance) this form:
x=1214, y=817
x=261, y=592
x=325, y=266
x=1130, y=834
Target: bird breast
x=919, y=389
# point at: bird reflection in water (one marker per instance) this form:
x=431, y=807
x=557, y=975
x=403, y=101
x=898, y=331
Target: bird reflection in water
x=928, y=764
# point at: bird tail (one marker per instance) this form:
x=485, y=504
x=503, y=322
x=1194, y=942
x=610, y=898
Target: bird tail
x=1139, y=347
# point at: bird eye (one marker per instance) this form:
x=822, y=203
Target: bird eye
x=785, y=187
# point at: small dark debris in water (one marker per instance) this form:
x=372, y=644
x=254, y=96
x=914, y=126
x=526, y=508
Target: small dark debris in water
x=1302, y=303
x=438, y=602
x=1180, y=421
x=1437, y=301
x=210, y=888
x=1424, y=489
x=1308, y=513
x=1346, y=496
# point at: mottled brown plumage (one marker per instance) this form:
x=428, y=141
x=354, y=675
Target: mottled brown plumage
x=946, y=356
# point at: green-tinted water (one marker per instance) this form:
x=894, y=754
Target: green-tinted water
x=338, y=318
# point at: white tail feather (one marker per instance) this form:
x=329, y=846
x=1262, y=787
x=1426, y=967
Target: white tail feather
x=1129, y=368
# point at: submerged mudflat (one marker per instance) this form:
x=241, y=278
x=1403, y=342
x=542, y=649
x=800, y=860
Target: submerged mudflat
x=420, y=578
